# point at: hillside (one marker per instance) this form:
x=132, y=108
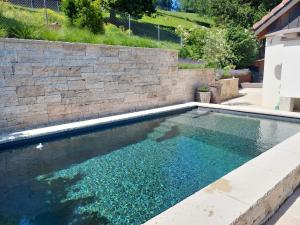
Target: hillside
x=21, y=22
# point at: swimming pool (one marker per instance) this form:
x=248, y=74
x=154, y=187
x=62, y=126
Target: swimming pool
x=130, y=173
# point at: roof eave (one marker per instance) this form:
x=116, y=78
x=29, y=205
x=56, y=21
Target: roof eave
x=260, y=27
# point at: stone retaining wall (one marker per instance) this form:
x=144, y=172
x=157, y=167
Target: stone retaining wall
x=230, y=88
x=52, y=82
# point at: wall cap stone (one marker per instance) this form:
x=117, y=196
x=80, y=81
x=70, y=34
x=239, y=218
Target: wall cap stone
x=44, y=42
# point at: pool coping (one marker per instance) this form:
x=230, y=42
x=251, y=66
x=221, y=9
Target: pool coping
x=247, y=195
x=15, y=138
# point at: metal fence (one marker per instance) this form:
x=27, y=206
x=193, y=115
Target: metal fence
x=143, y=29
x=123, y=21
x=36, y=4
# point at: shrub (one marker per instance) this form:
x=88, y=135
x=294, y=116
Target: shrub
x=216, y=51
x=203, y=88
x=194, y=41
x=85, y=14
x=243, y=46
x=3, y=32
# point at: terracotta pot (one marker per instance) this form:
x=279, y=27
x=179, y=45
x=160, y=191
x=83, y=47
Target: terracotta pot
x=203, y=97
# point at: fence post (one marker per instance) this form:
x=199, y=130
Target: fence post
x=158, y=33
x=57, y=5
x=31, y=3
x=181, y=41
x=129, y=24
x=46, y=13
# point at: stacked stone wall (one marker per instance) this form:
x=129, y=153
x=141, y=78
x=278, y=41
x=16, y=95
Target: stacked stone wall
x=43, y=83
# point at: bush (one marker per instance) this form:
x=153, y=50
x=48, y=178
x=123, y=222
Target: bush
x=3, y=32
x=194, y=41
x=203, y=88
x=243, y=46
x=85, y=14
x=216, y=51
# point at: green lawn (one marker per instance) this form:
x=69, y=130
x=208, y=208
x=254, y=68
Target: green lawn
x=192, y=18
x=174, y=19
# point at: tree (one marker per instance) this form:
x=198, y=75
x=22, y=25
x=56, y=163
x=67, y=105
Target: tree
x=136, y=8
x=165, y=4
x=241, y=12
x=84, y=13
x=197, y=6
x=243, y=45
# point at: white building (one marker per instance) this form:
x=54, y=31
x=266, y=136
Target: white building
x=281, y=29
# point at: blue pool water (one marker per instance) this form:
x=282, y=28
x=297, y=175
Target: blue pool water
x=129, y=174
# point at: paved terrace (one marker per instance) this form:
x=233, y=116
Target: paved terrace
x=250, y=97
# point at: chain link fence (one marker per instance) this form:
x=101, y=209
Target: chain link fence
x=124, y=21
x=37, y=4
x=142, y=29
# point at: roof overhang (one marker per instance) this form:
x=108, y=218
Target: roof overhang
x=287, y=34
x=278, y=11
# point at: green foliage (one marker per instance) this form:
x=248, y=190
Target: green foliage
x=190, y=66
x=136, y=8
x=21, y=31
x=216, y=51
x=208, y=44
x=219, y=47
x=243, y=46
x=226, y=72
x=84, y=14
x=240, y=12
x=3, y=32
x=22, y=22
x=194, y=40
x=165, y=4
x=203, y=88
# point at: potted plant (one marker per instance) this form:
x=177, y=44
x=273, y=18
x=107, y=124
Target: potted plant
x=203, y=94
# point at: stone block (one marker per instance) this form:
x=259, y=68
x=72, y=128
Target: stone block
x=77, y=85
x=6, y=70
x=94, y=84
x=23, y=69
x=30, y=91
x=27, y=100
x=56, y=98
x=57, y=109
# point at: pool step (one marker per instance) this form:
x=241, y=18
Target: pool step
x=161, y=130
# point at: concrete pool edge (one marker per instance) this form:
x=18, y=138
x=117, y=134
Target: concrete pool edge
x=247, y=195
x=11, y=139
x=15, y=137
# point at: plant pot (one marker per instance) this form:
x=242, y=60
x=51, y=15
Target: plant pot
x=203, y=97
x=216, y=93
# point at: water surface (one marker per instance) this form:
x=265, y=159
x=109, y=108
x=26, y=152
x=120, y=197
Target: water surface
x=128, y=174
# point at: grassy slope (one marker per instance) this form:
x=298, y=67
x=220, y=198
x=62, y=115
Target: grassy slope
x=26, y=23
x=174, y=19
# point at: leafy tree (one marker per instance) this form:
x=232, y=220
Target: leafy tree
x=136, y=8
x=216, y=51
x=243, y=45
x=241, y=12
x=194, y=40
x=84, y=13
x=199, y=6
x=165, y=4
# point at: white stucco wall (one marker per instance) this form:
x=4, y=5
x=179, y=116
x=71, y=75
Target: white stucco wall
x=282, y=73
x=272, y=72
x=290, y=83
